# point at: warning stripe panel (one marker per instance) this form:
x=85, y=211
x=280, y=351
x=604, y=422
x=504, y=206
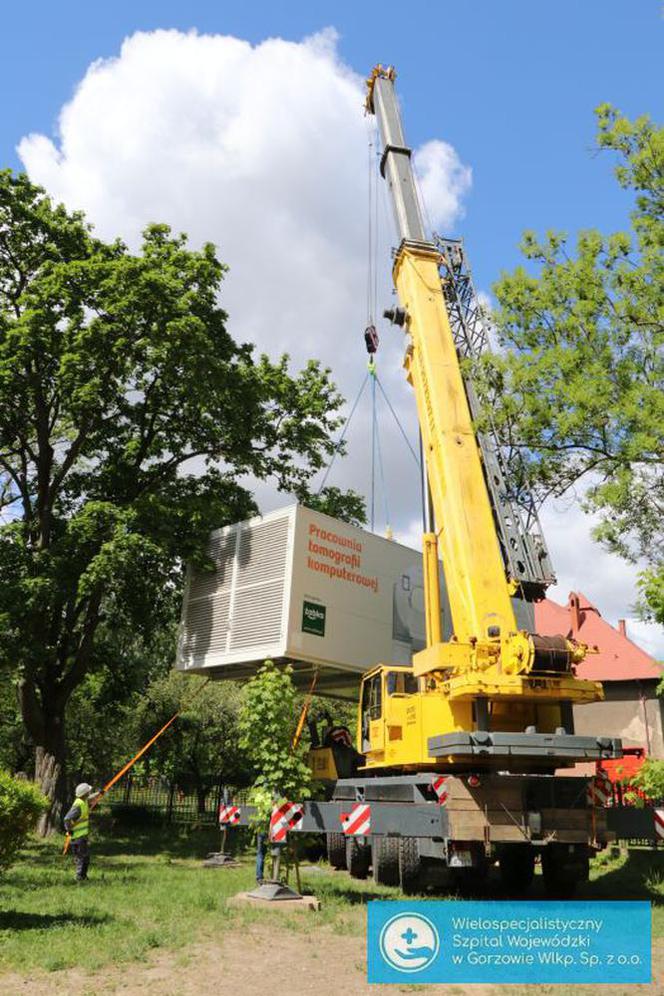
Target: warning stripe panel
x=439, y=785
x=284, y=818
x=229, y=814
x=599, y=791
x=357, y=822
x=658, y=815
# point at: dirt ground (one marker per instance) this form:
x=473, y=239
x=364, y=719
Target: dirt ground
x=267, y=958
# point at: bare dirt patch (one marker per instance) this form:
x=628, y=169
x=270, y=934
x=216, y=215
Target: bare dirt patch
x=261, y=959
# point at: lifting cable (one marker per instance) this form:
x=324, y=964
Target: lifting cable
x=130, y=764
x=343, y=434
x=371, y=341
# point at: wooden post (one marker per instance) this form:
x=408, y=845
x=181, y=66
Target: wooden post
x=296, y=862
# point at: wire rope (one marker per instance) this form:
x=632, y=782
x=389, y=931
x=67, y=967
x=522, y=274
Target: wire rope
x=397, y=420
x=343, y=434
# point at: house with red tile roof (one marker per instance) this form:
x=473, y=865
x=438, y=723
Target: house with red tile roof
x=631, y=708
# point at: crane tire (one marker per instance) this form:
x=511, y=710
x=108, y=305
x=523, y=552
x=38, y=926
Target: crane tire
x=517, y=867
x=385, y=860
x=358, y=858
x=410, y=865
x=336, y=850
x=560, y=877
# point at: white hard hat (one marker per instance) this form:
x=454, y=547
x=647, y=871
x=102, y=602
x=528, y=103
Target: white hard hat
x=83, y=789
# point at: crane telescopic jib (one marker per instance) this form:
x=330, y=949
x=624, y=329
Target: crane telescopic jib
x=491, y=675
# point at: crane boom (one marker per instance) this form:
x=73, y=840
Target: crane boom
x=479, y=591
x=488, y=553
x=522, y=543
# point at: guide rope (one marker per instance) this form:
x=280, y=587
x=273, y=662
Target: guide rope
x=123, y=771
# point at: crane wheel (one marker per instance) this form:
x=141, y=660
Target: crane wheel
x=563, y=869
x=410, y=865
x=358, y=858
x=517, y=867
x=336, y=850
x=385, y=860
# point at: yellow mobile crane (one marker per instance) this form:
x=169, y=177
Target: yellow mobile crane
x=456, y=754
x=494, y=693
x=480, y=722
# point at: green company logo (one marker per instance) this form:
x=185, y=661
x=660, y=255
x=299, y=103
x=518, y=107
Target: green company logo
x=313, y=619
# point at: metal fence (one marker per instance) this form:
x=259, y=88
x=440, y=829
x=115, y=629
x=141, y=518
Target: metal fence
x=159, y=800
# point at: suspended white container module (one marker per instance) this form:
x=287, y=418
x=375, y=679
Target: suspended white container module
x=300, y=587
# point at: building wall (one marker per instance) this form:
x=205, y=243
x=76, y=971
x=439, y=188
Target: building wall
x=623, y=714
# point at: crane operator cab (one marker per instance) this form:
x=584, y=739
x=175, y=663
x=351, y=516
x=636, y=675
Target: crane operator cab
x=389, y=715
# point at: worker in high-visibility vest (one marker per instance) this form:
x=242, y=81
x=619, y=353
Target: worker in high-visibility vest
x=77, y=825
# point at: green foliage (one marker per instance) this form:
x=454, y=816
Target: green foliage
x=268, y=717
x=128, y=416
x=203, y=745
x=345, y=505
x=335, y=712
x=650, y=779
x=21, y=805
x=15, y=754
x=576, y=387
x=651, y=586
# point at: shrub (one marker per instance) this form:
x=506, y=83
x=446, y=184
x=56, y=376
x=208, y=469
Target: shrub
x=267, y=721
x=21, y=805
x=650, y=779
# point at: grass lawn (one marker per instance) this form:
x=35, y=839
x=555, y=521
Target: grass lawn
x=148, y=890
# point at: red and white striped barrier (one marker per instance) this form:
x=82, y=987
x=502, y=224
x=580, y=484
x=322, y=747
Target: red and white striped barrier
x=357, y=823
x=599, y=791
x=439, y=785
x=284, y=818
x=658, y=816
x=229, y=814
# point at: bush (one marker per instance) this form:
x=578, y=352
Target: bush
x=21, y=805
x=650, y=779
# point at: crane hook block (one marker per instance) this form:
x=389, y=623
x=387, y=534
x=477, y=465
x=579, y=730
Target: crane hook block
x=371, y=339
x=395, y=315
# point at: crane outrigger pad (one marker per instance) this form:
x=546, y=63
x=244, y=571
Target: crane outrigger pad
x=547, y=746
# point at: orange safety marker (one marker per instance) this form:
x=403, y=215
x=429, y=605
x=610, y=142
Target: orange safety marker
x=123, y=771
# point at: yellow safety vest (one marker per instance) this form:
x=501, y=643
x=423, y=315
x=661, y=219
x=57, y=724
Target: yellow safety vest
x=80, y=827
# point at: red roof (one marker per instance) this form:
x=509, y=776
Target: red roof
x=618, y=659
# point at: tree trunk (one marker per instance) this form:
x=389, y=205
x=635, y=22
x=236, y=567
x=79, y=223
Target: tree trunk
x=46, y=727
x=50, y=774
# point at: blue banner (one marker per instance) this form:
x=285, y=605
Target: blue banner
x=509, y=942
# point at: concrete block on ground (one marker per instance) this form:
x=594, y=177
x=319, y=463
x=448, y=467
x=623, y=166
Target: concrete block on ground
x=303, y=903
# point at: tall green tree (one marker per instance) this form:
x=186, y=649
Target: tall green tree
x=202, y=747
x=128, y=417
x=577, y=386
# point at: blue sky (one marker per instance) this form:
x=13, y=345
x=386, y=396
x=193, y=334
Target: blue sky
x=511, y=85
x=177, y=131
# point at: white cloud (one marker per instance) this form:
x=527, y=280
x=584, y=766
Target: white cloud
x=581, y=564
x=263, y=150
x=443, y=182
